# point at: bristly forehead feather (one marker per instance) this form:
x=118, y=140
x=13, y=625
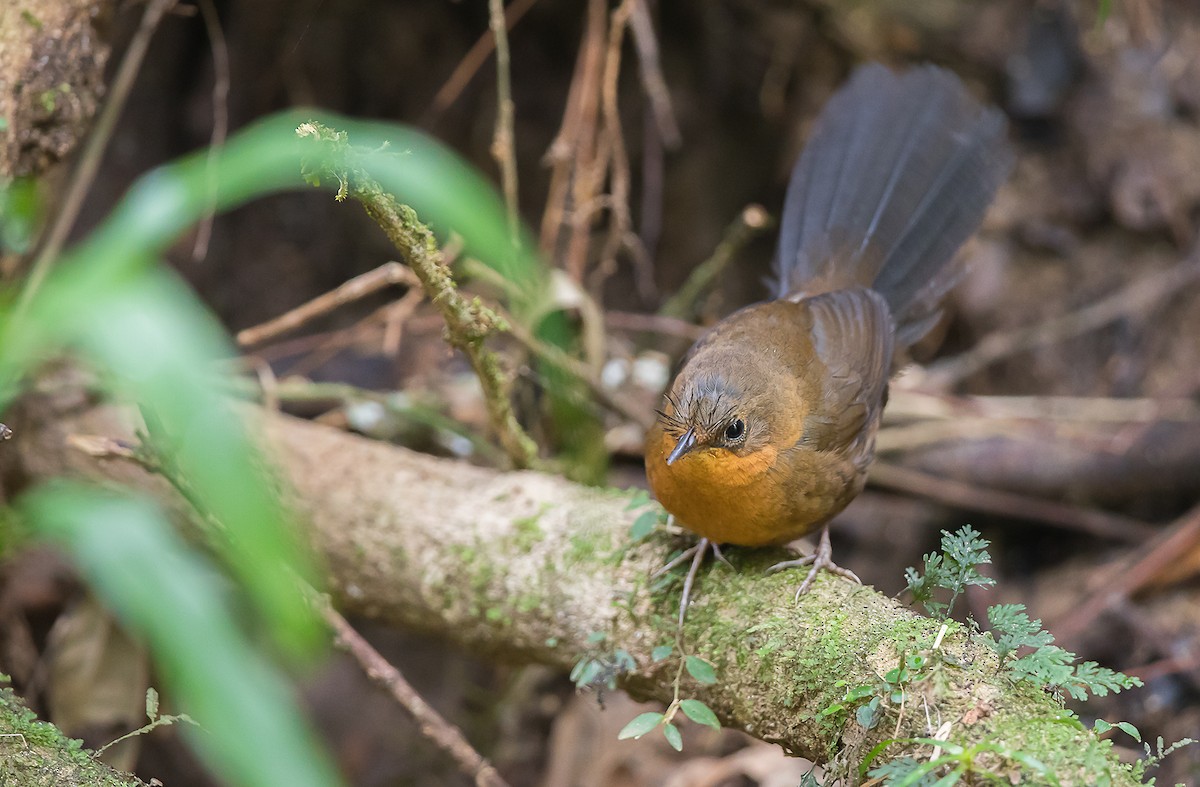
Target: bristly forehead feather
x=703, y=403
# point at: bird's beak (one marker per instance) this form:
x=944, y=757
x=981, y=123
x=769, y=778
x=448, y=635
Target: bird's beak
x=686, y=443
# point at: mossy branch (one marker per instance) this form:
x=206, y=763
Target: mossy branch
x=468, y=321
x=35, y=753
x=532, y=566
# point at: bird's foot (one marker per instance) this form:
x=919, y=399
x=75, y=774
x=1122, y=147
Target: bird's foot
x=696, y=554
x=822, y=559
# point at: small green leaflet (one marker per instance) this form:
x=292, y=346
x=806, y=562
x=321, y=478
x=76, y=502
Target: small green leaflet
x=640, y=725
x=700, y=713
x=701, y=670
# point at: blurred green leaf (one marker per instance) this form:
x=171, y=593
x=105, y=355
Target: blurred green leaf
x=18, y=215
x=154, y=344
x=643, y=526
x=166, y=593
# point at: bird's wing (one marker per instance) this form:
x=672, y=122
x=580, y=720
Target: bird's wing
x=853, y=335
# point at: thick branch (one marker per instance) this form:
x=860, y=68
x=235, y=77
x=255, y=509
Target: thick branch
x=529, y=566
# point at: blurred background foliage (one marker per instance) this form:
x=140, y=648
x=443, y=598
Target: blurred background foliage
x=110, y=304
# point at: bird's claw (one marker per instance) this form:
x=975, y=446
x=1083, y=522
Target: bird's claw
x=821, y=559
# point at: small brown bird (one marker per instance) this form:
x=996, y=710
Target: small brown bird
x=769, y=427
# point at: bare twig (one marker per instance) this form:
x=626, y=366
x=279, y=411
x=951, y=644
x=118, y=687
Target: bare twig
x=468, y=322
x=220, y=100
x=433, y=726
x=753, y=220
x=396, y=315
x=360, y=286
x=612, y=400
x=653, y=323
x=333, y=340
x=652, y=77
x=573, y=153
x=93, y=150
x=907, y=403
x=964, y=495
x=1127, y=577
x=614, y=158
x=502, y=140
x=1136, y=298
x=473, y=61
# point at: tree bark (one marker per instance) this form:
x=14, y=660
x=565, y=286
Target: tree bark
x=52, y=58
x=531, y=567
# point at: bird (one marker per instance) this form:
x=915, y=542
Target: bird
x=768, y=428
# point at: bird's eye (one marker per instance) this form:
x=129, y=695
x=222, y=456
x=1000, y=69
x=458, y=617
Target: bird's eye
x=735, y=430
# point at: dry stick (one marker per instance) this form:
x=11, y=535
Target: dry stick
x=618, y=157
x=359, y=287
x=908, y=403
x=1137, y=297
x=616, y=160
x=337, y=339
x=502, y=139
x=1122, y=580
x=444, y=735
x=659, y=131
x=651, y=216
x=652, y=77
x=93, y=151
x=220, y=99
x=613, y=400
x=468, y=322
x=995, y=501
x=560, y=155
x=395, y=316
x=753, y=220
x=473, y=61
x=653, y=323
x=584, y=163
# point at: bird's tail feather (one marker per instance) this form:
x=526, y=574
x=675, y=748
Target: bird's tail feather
x=896, y=176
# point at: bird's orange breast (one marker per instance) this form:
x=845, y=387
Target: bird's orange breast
x=746, y=500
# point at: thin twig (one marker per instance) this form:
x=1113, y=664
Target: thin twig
x=616, y=158
x=652, y=77
x=220, y=100
x=336, y=340
x=653, y=323
x=581, y=168
x=502, y=139
x=433, y=726
x=1137, y=298
x=395, y=317
x=560, y=156
x=472, y=62
x=752, y=221
x=908, y=404
x=468, y=322
x=1127, y=577
x=612, y=400
x=651, y=216
x=969, y=496
x=93, y=151
x=359, y=287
